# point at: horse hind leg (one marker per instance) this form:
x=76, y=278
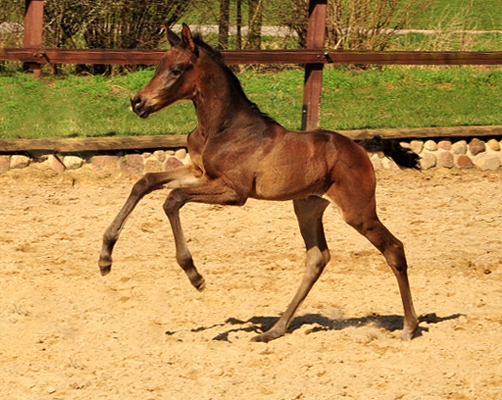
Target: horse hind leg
x=362, y=216
x=393, y=251
x=309, y=213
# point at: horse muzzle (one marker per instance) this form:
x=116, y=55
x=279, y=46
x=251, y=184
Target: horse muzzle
x=140, y=107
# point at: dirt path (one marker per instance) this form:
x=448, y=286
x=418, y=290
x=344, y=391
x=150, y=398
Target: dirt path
x=143, y=332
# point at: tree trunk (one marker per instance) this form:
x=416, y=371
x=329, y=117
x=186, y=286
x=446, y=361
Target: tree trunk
x=224, y=24
x=239, y=24
x=255, y=21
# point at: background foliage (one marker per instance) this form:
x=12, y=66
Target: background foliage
x=352, y=24
x=64, y=104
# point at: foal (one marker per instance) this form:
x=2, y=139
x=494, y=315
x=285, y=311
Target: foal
x=239, y=153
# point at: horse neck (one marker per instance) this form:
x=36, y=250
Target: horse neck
x=219, y=102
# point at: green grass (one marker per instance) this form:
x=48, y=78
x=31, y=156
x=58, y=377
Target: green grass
x=411, y=98
x=398, y=97
x=82, y=106
x=475, y=14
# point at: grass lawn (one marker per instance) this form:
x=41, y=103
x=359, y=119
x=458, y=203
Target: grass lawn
x=412, y=98
x=474, y=14
x=79, y=106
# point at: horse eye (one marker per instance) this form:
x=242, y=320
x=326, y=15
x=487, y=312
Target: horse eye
x=177, y=69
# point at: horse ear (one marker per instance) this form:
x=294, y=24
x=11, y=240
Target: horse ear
x=186, y=37
x=172, y=37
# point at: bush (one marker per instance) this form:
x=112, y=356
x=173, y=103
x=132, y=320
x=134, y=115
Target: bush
x=356, y=24
x=11, y=17
x=101, y=24
x=367, y=24
x=104, y=24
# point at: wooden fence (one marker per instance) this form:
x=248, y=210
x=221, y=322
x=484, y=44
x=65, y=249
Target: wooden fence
x=314, y=56
x=144, y=143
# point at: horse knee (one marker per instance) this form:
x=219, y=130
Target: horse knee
x=393, y=251
x=366, y=227
x=142, y=186
x=173, y=203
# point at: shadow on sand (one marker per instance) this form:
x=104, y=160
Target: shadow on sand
x=321, y=323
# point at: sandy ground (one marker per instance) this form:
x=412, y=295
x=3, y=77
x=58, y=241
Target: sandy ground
x=143, y=332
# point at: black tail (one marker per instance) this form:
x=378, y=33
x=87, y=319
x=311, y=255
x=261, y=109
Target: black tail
x=391, y=148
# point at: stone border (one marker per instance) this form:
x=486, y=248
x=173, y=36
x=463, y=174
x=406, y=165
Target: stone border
x=486, y=156
x=131, y=164
x=434, y=154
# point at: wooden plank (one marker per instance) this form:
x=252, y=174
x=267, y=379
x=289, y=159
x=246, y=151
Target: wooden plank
x=100, y=56
x=426, y=133
x=415, y=57
x=152, y=57
x=79, y=145
x=316, y=33
x=92, y=144
x=311, y=110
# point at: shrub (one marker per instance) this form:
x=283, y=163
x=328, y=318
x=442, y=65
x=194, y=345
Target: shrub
x=104, y=24
x=356, y=24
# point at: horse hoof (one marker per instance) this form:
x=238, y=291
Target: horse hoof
x=105, y=270
x=105, y=266
x=266, y=337
x=201, y=285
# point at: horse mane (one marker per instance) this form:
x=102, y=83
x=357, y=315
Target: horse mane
x=216, y=55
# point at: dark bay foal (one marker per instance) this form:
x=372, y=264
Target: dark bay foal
x=239, y=153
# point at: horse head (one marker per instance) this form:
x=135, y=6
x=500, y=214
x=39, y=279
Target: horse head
x=174, y=78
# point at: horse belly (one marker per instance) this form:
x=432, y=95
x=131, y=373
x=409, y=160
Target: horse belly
x=288, y=181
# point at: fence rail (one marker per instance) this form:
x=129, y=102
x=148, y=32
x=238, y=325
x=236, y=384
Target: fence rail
x=111, y=144
x=305, y=56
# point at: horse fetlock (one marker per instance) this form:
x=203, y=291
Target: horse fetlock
x=200, y=285
x=409, y=331
x=196, y=279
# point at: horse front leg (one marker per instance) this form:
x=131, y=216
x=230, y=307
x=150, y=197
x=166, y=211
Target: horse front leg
x=147, y=184
x=212, y=192
x=309, y=213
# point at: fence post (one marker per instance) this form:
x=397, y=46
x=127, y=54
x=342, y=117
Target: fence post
x=316, y=34
x=33, y=30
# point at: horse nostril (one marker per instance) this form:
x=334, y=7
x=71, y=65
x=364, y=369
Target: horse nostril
x=136, y=102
